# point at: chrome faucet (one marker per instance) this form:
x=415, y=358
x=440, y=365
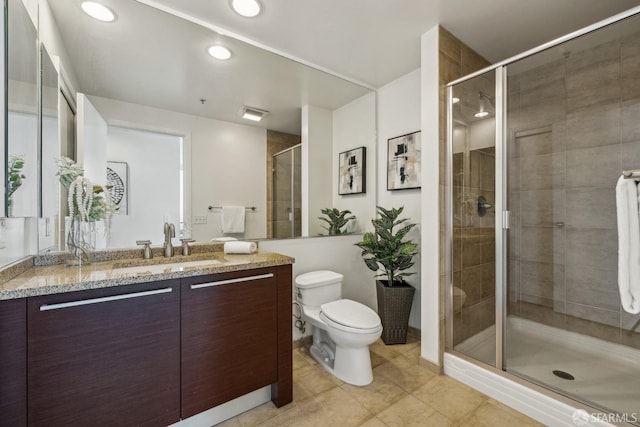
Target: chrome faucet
x=169, y=232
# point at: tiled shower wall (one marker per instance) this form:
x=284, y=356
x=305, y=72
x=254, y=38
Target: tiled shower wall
x=456, y=60
x=473, y=242
x=575, y=125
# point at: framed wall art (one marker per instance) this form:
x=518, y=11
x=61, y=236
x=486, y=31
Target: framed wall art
x=403, y=162
x=352, y=171
x=118, y=184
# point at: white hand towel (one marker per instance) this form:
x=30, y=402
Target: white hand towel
x=627, y=199
x=233, y=219
x=240, y=247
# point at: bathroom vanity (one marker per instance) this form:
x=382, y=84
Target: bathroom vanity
x=119, y=344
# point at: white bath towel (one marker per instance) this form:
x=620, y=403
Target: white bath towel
x=240, y=247
x=233, y=219
x=627, y=199
x=223, y=239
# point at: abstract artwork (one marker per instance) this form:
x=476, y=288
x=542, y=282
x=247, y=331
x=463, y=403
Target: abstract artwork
x=352, y=171
x=403, y=162
x=118, y=185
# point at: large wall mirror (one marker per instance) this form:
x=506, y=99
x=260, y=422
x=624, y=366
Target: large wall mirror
x=159, y=118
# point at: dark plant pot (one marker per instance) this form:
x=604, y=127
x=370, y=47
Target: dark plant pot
x=394, y=308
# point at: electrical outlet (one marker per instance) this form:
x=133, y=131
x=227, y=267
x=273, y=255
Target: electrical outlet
x=199, y=219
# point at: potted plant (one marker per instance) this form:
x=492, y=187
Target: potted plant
x=336, y=220
x=15, y=176
x=387, y=252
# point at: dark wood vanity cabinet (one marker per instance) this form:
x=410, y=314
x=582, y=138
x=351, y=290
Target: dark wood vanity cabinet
x=105, y=357
x=13, y=363
x=232, y=344
x=145, y=354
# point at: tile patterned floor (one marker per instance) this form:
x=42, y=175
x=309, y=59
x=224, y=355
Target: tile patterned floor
x=402, y=394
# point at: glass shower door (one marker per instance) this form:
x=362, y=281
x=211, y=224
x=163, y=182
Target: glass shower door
x=571, y=128
x=287, y=193
x=473, y=178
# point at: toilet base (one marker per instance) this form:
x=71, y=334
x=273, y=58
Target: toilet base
x=351, y=365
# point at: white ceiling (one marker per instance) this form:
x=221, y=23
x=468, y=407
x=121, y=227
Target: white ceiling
x=376, y=41
x=153, y=58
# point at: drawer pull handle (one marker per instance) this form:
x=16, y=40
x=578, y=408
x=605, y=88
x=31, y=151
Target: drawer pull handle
x=238, y=280
x=47, y=307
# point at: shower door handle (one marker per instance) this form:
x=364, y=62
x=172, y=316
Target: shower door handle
x=506, y=220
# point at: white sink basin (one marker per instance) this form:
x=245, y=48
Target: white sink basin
x=167, y=268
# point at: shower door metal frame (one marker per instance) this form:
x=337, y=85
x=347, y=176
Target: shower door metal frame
x=502, y=215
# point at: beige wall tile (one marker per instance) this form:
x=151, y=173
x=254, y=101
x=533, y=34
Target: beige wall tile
x=595, y=248
x=542, y=172
x=629, y=123
x=449, y=45
x=542, y=279
x=591, y=208
x=592, y=286
x=593, y=127
x=543, y=244
x=593, y=167
x=542, y=207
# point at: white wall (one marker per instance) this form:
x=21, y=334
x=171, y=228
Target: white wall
x=220, y=158
x=399, y=114
x=91, y=140
x=317, y=158
x=154, y=185
x=430, y=294
x=354, y=126
x=336, y=253
x=50, y=36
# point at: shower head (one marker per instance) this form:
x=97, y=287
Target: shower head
x=482, y=112
x=491, y=99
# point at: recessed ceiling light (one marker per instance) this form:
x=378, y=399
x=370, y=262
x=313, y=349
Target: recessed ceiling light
x=219, y=52
x=253, y=114
x=98, y=11
x=246, y=8
x=481, y=114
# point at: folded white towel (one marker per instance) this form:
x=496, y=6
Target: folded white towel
x=240, y=247
x=627, y=199
x=233, y=219
x=223, y=239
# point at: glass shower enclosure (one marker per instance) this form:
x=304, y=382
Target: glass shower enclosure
x=537, y=145
x=287, y=193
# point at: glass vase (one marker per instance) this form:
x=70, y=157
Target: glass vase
x=81, y=242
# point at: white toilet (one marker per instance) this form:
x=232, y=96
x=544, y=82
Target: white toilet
x=343, y=329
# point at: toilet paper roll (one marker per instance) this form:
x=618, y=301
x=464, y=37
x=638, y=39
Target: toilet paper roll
x=240, y=247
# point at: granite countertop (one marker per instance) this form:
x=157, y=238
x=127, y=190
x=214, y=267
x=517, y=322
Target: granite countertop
x=59, y=278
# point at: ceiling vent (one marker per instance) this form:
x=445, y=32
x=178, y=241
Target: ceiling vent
x=254, y=114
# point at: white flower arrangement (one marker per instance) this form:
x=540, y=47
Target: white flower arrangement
x=86, y=201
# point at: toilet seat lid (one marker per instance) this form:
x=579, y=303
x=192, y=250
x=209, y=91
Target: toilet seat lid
x=350, y=313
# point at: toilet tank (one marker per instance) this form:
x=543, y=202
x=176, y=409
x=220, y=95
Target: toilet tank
x=318, y=287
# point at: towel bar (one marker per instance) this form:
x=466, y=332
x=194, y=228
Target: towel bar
x=251, y=208
x=633, y=173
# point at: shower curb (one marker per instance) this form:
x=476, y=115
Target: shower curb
x=542, y=408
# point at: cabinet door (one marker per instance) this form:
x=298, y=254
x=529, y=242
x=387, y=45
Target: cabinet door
x=229, y=337
x=13, y=363
x=106, y=357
